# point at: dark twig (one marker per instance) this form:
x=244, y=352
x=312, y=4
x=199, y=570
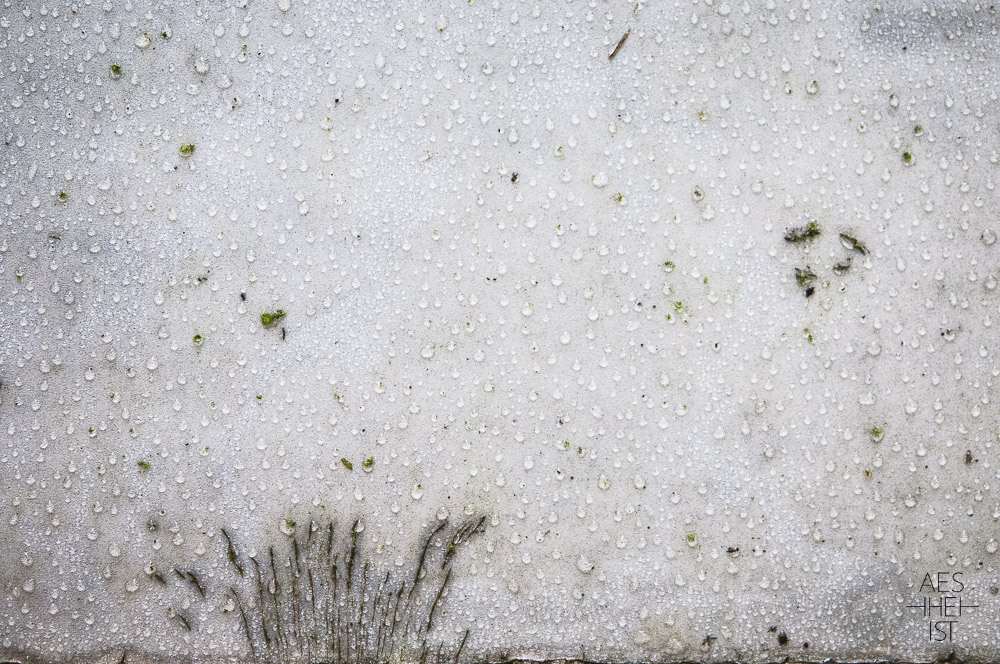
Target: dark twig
x=231, y=553
x=621, y=42
x=461, y=645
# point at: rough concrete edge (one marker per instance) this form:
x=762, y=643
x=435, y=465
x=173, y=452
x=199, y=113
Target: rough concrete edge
x=138, y=657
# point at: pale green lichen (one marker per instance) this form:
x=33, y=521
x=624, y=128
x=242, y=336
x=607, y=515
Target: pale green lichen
x=347, y=464
x=804, y=276
x=851, y=242
x=842, y=267
x=186, y=149
x=803, y=233
x=268, y=318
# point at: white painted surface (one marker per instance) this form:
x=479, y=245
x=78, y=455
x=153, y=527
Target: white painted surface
x=532, y=283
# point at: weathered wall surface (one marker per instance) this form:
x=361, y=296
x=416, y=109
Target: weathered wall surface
x=685, y=353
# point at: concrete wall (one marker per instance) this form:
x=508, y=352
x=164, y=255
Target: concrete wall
x=466, y=331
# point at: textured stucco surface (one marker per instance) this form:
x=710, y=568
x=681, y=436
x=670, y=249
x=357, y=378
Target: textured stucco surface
x=567, y=307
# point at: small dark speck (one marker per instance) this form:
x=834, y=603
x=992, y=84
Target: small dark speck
x=513, y=176
x=243, y=296
x=782, y=639
x=282, y=334
x=810, y=291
